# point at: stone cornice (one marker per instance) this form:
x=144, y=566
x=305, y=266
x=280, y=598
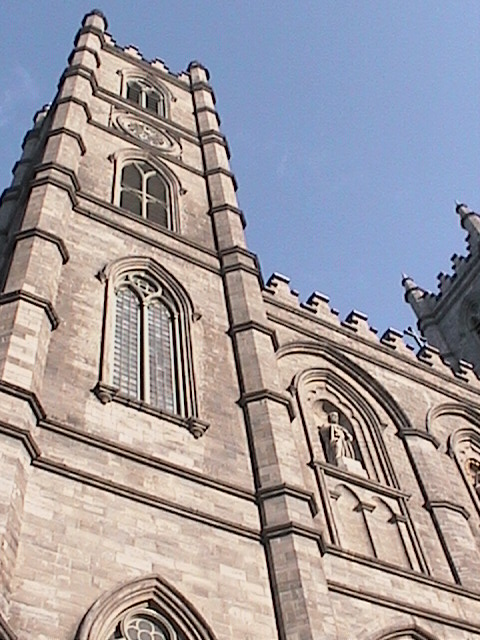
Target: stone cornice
x=284, y=489
x=81, y=71
x=131, y=493
x=431, y=505
x=222, y=208
x=240, y=267
x=55, y=182
x=45, y=235
x=201, y=85
x=224, y=172
x=417, y=433
x=65, y=131
x=55, y=166
x=351, y=478
x=206, y=109
x=146, y=236
x=268, y=394
x=24, y=436
x=292, y=529
x=148, y=459
x=31, y=298
x=26, y=395
x=94, y=53
x=74, y=100
x=390, y=602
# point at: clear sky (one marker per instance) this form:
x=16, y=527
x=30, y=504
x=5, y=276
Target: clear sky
x=353, y=125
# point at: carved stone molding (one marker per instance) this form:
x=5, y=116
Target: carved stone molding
x=107, y=393
x=148, y=134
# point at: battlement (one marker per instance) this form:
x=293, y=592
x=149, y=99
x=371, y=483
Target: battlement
x=317, y=306
x=156, y=65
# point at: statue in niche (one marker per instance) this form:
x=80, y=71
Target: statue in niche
x=340, y=440
x=339, y=445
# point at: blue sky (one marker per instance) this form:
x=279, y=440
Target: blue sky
x=353, y=125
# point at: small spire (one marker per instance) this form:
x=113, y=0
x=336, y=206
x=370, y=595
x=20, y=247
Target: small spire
x=408, y=283
x=414, y=295
x=470, y=221
x=462, y=209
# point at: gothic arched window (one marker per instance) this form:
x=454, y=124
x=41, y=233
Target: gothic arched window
x=147, y=359
x=144, y=95
x=144, y=192
x=144, y=609
x=144, y=359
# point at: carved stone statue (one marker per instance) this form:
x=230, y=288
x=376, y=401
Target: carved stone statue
x=340, y=440
x=339, y=445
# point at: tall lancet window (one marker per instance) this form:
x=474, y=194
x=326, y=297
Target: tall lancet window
x=143, y=354
x=147, y=360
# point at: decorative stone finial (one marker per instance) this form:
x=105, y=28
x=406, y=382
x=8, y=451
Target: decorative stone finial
x=462, y=209
x=414, y=295
x=470, y=221
x=408, y=283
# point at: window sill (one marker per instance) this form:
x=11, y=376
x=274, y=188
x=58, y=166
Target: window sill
x=106, y=393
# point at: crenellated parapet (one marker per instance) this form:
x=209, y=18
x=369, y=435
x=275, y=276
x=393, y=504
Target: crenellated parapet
x=355, y=326
x=132, y=52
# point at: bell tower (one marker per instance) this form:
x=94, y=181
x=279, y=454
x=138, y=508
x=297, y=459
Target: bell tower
x=450, y=319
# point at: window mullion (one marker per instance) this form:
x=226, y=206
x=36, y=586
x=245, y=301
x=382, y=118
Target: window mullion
x=144, y=195
x=145, y=363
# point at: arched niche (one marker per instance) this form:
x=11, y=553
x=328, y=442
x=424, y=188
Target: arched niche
x=149, y=597
x=331, y=383
x=457, y=428
x=325, y=390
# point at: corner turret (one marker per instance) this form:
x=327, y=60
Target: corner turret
x=414, y=295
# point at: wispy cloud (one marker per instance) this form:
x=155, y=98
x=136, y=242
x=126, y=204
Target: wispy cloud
x=18, y=87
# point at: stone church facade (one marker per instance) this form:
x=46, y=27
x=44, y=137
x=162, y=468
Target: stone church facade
x=188, y=453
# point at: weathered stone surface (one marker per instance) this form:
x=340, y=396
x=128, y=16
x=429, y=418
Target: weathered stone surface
x=274, y=520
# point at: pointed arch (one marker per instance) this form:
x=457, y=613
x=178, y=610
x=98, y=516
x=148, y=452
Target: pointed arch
x=149, y=598
x=411, y=632
x=388, y=540
x=335, y=374
x=158, y=186
x=463, y=444
x=338, y=360
x=146, y=356
x=147, y=82
x=453, y=409
x=332, y=382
